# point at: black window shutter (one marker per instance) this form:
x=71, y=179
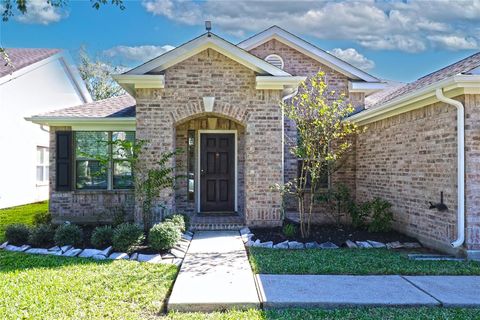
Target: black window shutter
x=64, y=163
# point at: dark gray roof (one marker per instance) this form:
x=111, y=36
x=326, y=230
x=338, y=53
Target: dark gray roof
x=23, y=57
x=373, y=99
x=116, y=107
x=461, y=67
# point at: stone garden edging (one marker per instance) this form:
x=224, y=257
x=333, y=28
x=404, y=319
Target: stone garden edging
x=174, y=256
x=247, y=236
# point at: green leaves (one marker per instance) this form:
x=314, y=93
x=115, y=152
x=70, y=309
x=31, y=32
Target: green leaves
x=324, y=138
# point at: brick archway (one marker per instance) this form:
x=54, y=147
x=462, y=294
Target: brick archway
x=195, y=109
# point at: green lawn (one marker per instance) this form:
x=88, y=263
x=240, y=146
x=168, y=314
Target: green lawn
x=355, y=262
x=344, y=314
x=47, y=287
x=20, y=214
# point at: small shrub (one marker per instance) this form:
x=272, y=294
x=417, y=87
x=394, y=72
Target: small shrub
x=42, y=218
x=68, y=234
x=178, y=220
x=102, y=237
x=382, y=216
x=289, y=230
x=17, y=233
x=164, y=236
x=118, y=217
x=126, y=237
x=42, y=235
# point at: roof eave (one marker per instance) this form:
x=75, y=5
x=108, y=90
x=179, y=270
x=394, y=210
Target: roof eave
x=131, y=82
x=277, y=83
x=453, y=86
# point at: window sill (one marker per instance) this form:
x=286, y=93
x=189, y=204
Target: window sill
x=41, y=184
x=102, y=190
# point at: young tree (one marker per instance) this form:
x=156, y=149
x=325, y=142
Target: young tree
x=98, y=77
x=324, y=138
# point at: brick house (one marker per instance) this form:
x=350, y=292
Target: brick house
x=219, y=102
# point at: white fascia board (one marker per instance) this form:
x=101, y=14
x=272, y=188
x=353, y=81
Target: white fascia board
x=452, y=86
x=130, y=82
x=87, y=123
x=202, y=43
x=275, y=83
x=308, y=49
x=366, y=87
x=74, y=74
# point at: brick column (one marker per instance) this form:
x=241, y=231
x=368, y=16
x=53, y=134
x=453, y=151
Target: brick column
x=263, y=165
x=155, y=125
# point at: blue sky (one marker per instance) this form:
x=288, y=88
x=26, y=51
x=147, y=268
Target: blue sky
x=392, y=40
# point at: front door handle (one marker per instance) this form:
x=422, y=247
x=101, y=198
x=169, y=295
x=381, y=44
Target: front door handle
x=202, y=172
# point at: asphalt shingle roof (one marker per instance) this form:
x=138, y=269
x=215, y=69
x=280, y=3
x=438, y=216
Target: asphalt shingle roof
x=116, y=107
x=23, y=57
x=460, y=67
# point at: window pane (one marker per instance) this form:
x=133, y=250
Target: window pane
x=46, y=157
x=122, y=150
x=122, y=175
x=90, y=174
x=39, y=155
x=39, y=173
x=45, y=173
x=90, y=145
x=191, y=164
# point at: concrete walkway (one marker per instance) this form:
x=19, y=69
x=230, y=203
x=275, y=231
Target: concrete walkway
x=215, y=275
x=328, y=291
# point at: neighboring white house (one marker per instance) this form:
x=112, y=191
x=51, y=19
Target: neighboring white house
x=37, y=80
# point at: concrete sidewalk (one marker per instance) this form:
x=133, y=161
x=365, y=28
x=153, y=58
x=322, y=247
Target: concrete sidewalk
x=328, y=291
x=215, y=275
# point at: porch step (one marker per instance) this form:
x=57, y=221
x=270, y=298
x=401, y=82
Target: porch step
x=216, y=226
x=220, y=222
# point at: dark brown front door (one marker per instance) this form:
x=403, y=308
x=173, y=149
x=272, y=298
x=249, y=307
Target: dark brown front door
x=217, y=165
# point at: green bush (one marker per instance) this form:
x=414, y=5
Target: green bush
x=42, y=218
x=102, y=237
x=179, y=220
x=42, y=235
x=289, y=230
x=164, y=236
x=68, y=234
x=126, y=237
x=17, y=233
x=381, y=216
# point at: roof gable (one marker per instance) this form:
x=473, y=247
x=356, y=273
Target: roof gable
x=201, y=43
x=308, y=49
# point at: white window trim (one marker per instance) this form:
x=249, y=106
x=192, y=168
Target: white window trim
x=44, y=165
x=197, y=182
x=109, y=166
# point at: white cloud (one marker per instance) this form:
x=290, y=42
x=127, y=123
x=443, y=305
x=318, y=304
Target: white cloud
x=454, y=42
x=137, y=53
x=381, y=25
x=353, y=57
x=40, y=12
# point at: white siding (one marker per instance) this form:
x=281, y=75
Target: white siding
x=46, y=88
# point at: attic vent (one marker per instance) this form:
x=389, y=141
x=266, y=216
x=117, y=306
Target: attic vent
x=275, y=60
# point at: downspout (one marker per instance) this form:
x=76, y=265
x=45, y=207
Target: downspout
x=288, y=94
x=460, y=166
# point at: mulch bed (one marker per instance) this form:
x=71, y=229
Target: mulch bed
x=332, y=233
